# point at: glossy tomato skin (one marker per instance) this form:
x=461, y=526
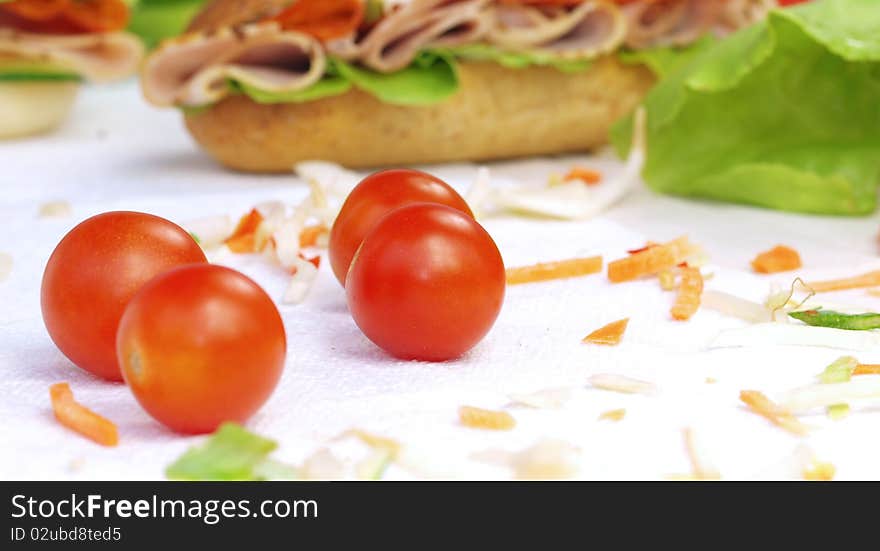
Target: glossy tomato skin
x=376, y=196
x=200, y=345
x=93, y=273
x=427, y=283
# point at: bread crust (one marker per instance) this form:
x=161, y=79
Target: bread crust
x=497, y=113
x=34, y=107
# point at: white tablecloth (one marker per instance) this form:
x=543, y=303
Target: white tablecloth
x=118, y=153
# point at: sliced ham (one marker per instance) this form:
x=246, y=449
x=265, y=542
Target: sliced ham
x=584, y=31
x=97, y=57
x=396, y=40
x=194, y=69
x=671, y=22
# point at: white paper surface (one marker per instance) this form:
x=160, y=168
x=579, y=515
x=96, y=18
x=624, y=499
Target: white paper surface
x=118, y=153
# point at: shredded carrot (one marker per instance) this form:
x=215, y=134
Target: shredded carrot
x=819, y=471
x=778, y=259
x=323, y=19
x=244, y=239
x=485, y=419
x=766, y=408
x=610, y=335
x=586, y=175
x=81, y=419
x=689, y=293
x=650, y=261
x=554, y=270
x=667, y=280
x=308, y=237
x=613, y=415
x=648, y=245
x=867, y=369
x=870, y=279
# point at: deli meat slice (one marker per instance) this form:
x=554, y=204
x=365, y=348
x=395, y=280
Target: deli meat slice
x=584, y=31
x=195, y=68
x=396, y=40
x=681, y=22
x=96, y=57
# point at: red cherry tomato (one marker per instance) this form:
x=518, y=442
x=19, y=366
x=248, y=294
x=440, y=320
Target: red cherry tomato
x=201, y=345
x=376, y=196
x=94, y=272
x=427, y=283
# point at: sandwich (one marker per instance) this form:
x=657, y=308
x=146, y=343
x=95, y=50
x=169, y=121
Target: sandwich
x=264, y=84
x=48, y=48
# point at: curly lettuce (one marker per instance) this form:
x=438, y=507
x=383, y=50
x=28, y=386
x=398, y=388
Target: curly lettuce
x=784, y=114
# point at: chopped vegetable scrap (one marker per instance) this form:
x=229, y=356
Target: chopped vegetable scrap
x=836, y=320
x=651, y=261
x=81, y=419
x=5, y=265
x=210, y=231
x=244, y=239
x=689, y=292
x=778, y=259
x=701, y=466
x=735, y=306
x=810, y=397
x=311, y=236
x=839, y=371
x=819, y=471
x=586, y=175
x=554, y=270
x=375, y=441
x=838, y=411
x=791, y=334
x=546, y=460
x=609, y=335
x=870, y=279
x=667, y=280
x=305, y=271
x=566, y=200
x=612, y=415
x=477, y=418
x=867, y=369
x=231, y=453
x=55, y=209
x=551, y=398
x=620, y=383
x=776, y=414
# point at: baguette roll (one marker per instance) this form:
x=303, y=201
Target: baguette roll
x=497, y=113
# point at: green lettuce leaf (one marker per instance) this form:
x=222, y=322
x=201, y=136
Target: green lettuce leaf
x=665, y=61
x=31, y=71
x=513, y=60
x=784, y=114
x=231, y=453
x=155, y=20
x=328, y=86
x=430, y=79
